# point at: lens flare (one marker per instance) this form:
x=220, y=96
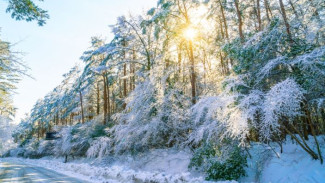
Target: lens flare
x=190, y=33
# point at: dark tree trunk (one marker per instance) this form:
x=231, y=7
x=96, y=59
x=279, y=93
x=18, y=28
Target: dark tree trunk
x=98, y=99
x=224, y=19
x=82, y=109
x=259, y=19
x=266, y=6
x=105, y=99
x=240, y=22
x=108, y=100
x=284, y=16
x=124, y=81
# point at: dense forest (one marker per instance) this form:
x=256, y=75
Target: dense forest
x=214, y=76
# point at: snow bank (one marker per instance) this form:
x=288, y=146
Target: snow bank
x=168, y=166
x=294, y=165
x=169, y=161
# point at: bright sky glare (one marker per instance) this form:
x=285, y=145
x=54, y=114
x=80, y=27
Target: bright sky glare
x=53, y=49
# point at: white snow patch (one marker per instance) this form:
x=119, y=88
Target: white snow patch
x=294, y=165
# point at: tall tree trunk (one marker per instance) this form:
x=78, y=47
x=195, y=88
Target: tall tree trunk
x=193, y=77
x=240, y=22
x=108, y=100
x=259, y=19
x=308, y=116
x=124, y=85
x=124, y=81
x=105, y=99
x=224, y=19
x=82, y=108
x=266, y=5
x=38, y=130
x=98, y=99
x=71, y=119
x=132, y=78
x=223, y=67
x=284, y=16
x=221, y=28
x=179, y=58
x=113, y=103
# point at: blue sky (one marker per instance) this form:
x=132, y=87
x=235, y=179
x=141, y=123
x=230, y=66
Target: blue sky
x=51, y=50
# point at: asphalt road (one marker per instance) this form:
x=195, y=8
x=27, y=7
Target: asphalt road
x=18, y=171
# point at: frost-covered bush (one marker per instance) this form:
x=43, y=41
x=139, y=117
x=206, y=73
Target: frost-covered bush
x=31, y=148
x=241, y=113
x=224, y=161
x=152, y=118
x=76, y=140
x=6, y=131
x=16, y=152
x=202, y=157
x=231, y=169
x=262, y=111
x=283, y=100
x=99, y=147
x=72, y=142
x=46, y=148
x=204, y=120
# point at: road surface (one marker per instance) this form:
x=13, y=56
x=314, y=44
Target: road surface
x=18, y=171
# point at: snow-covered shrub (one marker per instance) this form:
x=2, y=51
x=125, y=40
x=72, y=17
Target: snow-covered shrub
x=63, y=144
x=72, y=142
x=134, y=125
x=46, y=148
x=224, y=161
x=283, y=100
x=239, y=113
x=202, y=156
x=99, y=147
x=98, y=131
x=204, y=121
x=76, y=140
x=31, y=148
x=6, y=131
x=231, y=169
x=252, y=109
x=152, y=119
x=16, y=152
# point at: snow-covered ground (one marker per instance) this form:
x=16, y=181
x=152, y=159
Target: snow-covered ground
x=292, y=166
x=169, y=166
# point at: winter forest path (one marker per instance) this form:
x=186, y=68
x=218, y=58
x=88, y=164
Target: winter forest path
x=18, y=171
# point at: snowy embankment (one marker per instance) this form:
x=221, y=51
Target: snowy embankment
x=156, y=166
x=294, y=165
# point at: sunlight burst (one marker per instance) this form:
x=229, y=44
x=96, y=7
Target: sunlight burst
x=190, y=33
